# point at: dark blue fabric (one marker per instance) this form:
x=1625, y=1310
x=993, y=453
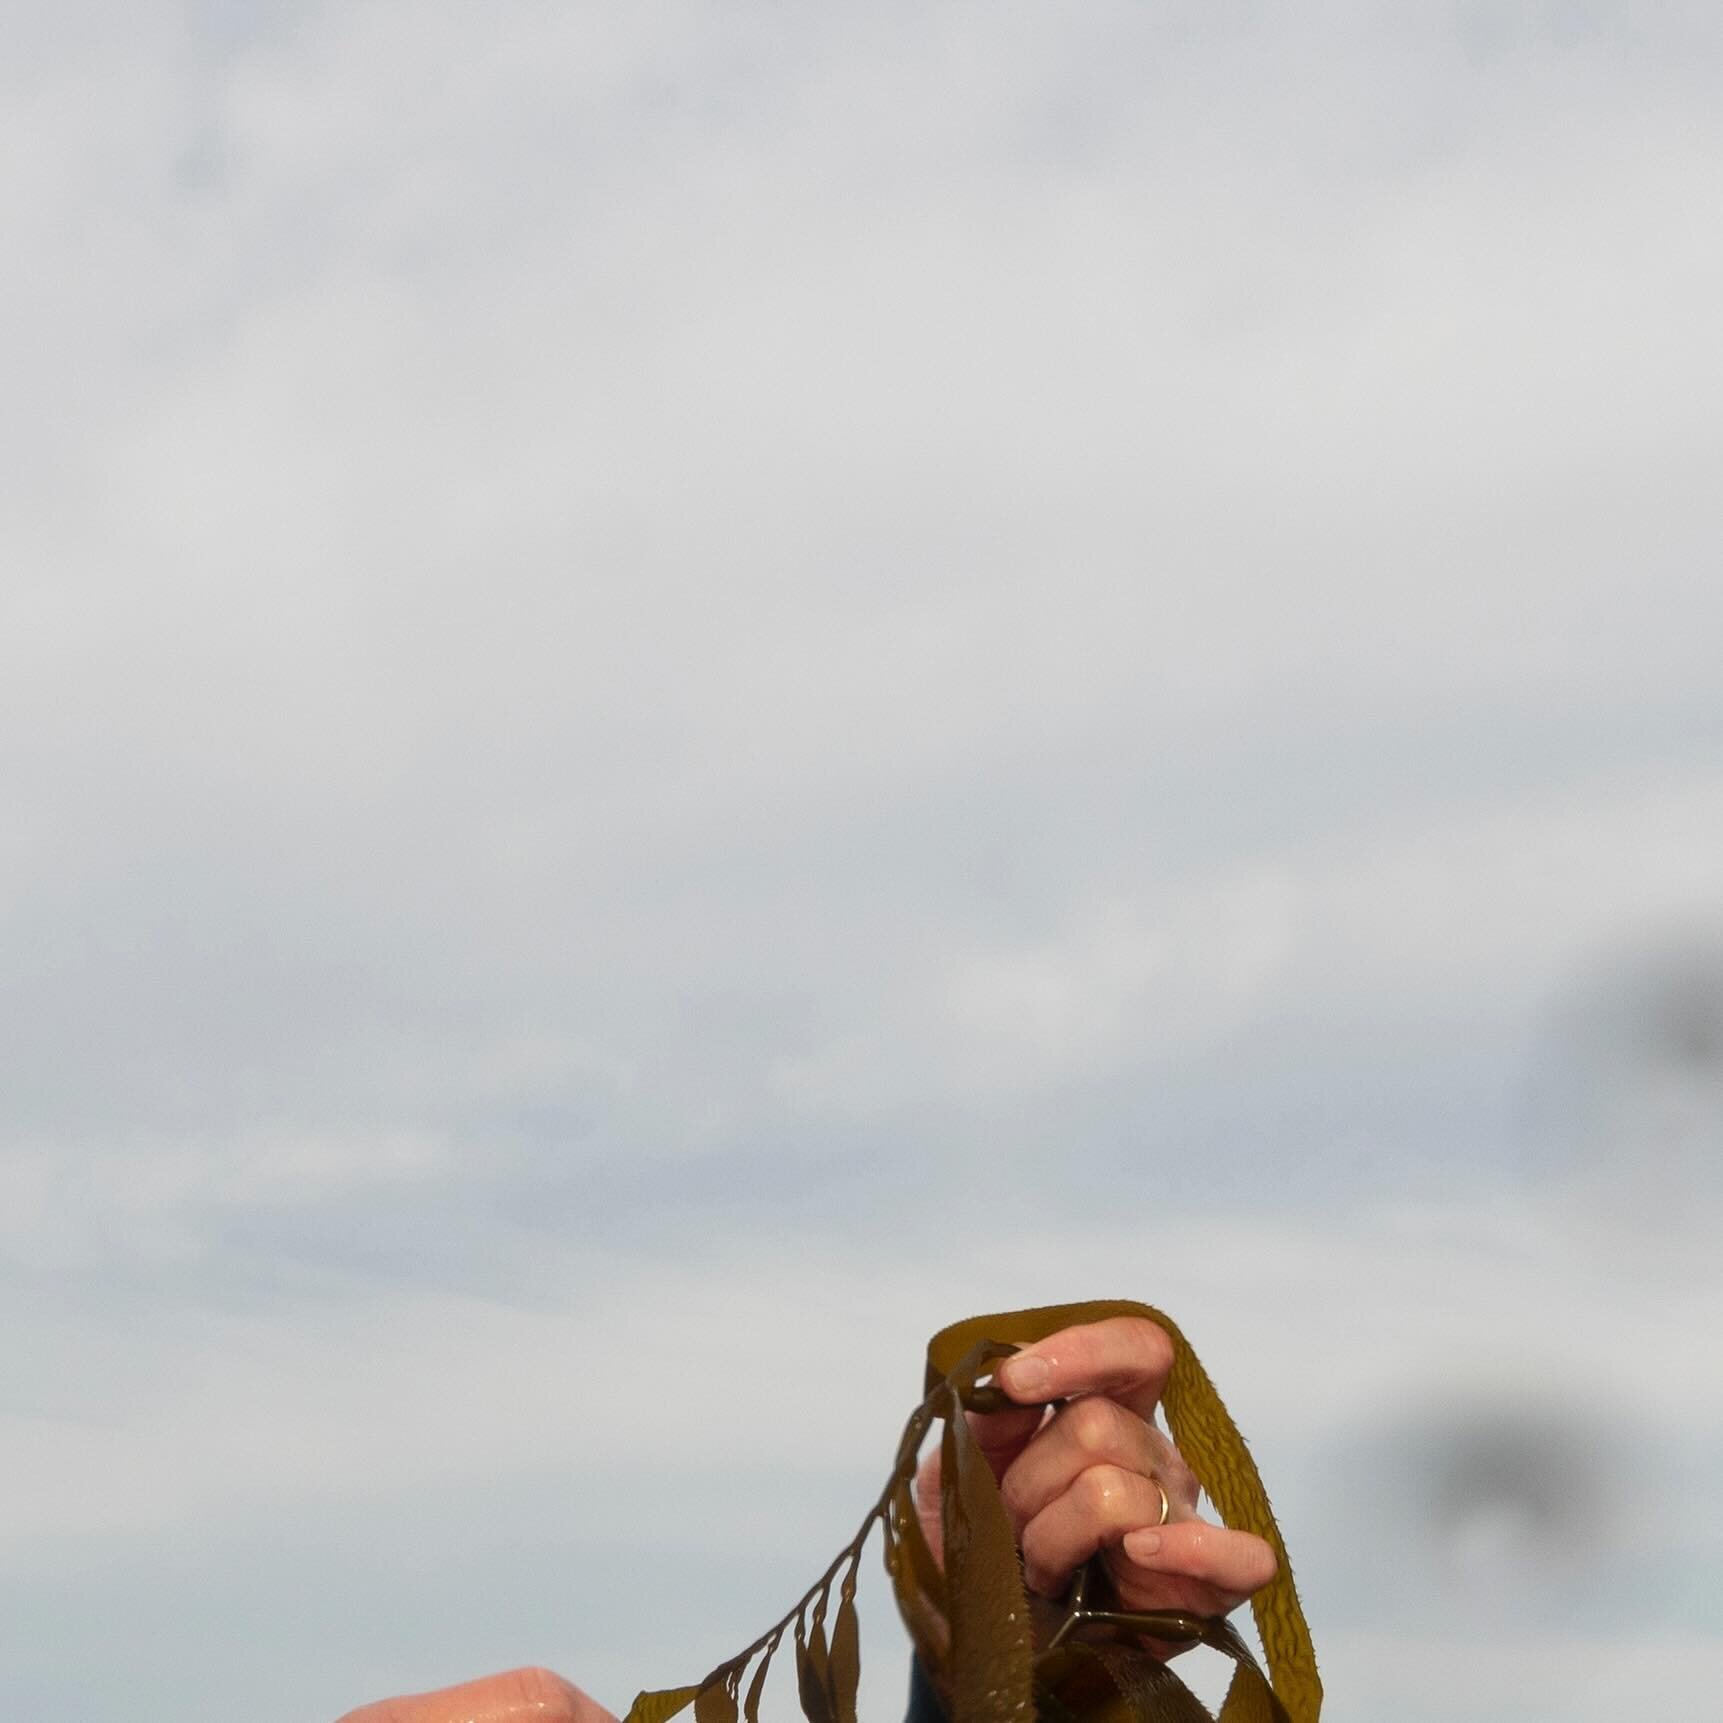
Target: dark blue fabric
x=924, y=1705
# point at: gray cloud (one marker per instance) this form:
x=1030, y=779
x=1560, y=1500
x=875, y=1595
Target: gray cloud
x=630, y=634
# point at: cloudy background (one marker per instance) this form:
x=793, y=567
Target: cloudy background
x=685, y=688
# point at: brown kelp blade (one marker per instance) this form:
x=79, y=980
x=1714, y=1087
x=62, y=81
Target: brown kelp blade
x=751, y=1702
x=971, y=1623
x=812, y=1681
x=1212, y=1447
x=990, y=1672
x=843, y=1665
x=716, y=1703
x=916, y=1577
x=656, y=1707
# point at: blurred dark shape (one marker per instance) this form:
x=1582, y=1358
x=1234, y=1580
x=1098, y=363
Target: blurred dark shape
x=1665, y=1009
x=1501, y=1511
x=1626, y=1121
x=1510, y=1485
x=1686, y=1020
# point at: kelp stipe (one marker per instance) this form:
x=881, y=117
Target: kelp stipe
x=971, y=1623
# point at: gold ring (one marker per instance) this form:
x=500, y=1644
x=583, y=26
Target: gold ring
x=1166, y=1506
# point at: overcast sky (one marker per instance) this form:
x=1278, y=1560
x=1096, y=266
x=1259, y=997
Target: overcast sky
x=687, y=688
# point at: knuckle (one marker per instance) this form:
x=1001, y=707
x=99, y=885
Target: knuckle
x=1093, y=1423
x=1154, y=1343
x=1100, y=1490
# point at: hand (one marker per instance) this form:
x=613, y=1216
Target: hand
x=1079, y=1481
x=519, y=1696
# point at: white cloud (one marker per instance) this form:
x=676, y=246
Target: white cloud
x=68, y=1207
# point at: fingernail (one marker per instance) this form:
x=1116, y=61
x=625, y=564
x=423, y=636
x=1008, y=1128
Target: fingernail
x=1026, y=1377
x=1140, y=1546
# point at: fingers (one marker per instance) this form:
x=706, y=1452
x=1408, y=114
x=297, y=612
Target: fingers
x=1186, y=1564
x=1127, y=1358
x=1091, y=1481
x=1093, y=1432
x=1100, y=1507
x=516, y=1696
x=1227, y=1565
x=1084, y=1480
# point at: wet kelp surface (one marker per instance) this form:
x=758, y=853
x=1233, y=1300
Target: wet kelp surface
x=971, y=1623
